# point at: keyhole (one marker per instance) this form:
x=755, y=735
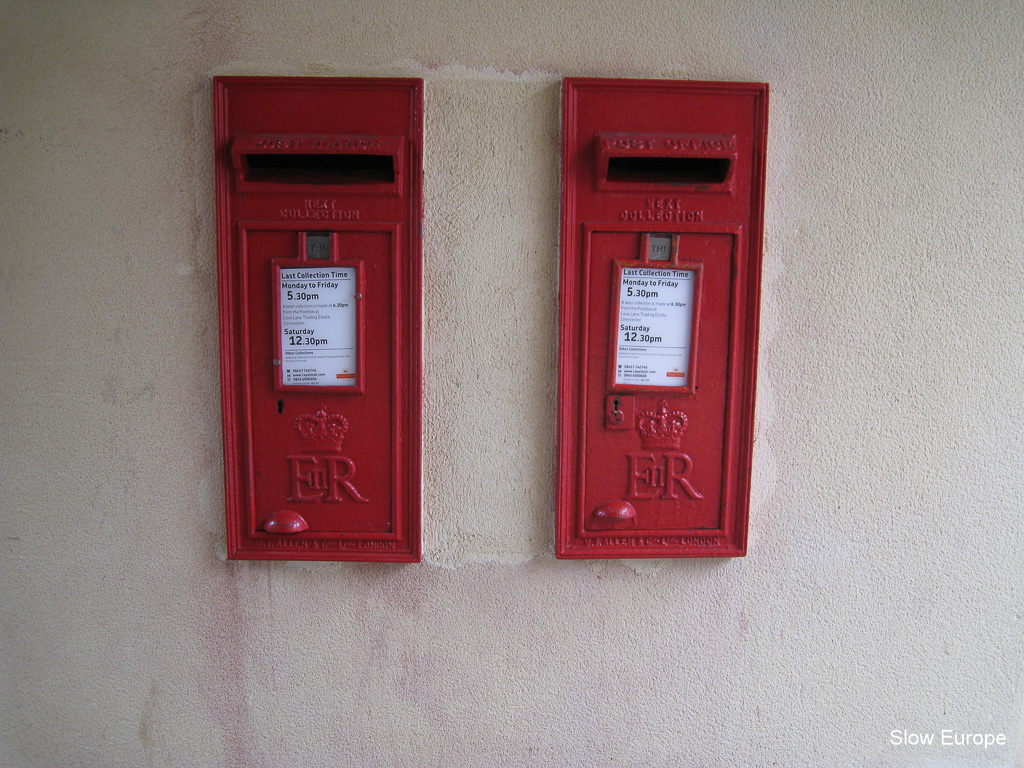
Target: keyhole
x=615, y=417
x=280, y=406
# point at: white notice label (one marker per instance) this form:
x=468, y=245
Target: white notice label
x=655, y=321
x=318, y=326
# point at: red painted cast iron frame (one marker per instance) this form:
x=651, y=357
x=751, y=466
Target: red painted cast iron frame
x=604, y=118
x=254, y=115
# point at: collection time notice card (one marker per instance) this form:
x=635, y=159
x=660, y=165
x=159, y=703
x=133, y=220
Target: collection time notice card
x=318, y=326
x=655, y=323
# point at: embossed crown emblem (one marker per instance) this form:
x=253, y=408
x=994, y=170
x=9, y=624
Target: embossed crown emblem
x=661, y=428
x=321, y=432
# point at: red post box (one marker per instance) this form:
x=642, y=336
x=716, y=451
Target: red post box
x=662, y=208
x=318, y=230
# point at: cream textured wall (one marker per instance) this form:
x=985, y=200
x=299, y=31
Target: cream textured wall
x=883, y=589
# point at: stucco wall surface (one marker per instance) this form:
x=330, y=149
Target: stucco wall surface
x=883, y=591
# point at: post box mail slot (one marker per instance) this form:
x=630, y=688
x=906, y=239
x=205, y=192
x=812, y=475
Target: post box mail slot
x=637, y=161
x=318, y=212
x=348, y=164
x=662, y=213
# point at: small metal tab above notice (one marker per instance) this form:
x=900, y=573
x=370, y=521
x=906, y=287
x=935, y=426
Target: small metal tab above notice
x=318, y=245
x=659, y=248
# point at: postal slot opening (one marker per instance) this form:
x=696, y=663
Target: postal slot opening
x=320, y=169
x=668, y=170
